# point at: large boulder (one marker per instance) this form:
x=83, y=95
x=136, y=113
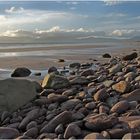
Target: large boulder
x=21, y=72
x=55, y=81
x=130, y=56
x=15, y=93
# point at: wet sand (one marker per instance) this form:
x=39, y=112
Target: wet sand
x=40, y=58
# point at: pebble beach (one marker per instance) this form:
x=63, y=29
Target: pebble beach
x=85, y=99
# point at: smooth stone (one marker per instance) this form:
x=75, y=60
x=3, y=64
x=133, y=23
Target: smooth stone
x=117, y=133
x=32, y=115
x=108, y=83
x=69, y=92
x=55, y=81
x=4, y=115
x=52, y=69
x=137, y=78
x=59, y=129
x=128, y=136
x=132, y=96
x=14, y=125
x=101, y=95
x=20, y=89
x=115, y=69
x=70, y=104
x=75, y=65
x=79, y=80
x=52, y=98
x=106, y=55
x=111, y=101
x=90, y=105
x=8, y=133
x=130, y=56
x=31, y=124
x=121, y=87
x=62, y=118
x=78, y=116
x=32, y=132
x=47, y=136
x=94, y=136
x=72, y=130
x=100, y=122
x=131, y=75
x=105, y=134
x=21, y=72
x=87, y=72
x=135, y=125
x=120, y=107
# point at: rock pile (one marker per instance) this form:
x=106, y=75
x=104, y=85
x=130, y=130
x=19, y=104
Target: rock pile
x=92, y=104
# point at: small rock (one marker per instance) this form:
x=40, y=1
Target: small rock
x=37, y=74
x=21, y=72
x=32, y=132
x=59, y=129
x=4, y=115
x=47, y=136
x=52, y=69
x=79, y=80
x=61, y=60
x=112, y=101
x=115, y=69
x=121, y=87
x=100, y=122
x=72, y=130
x=87, y=72
x=75, y=65
x=132, y=96
x=90, y=105
x=108, y=83
x=52, y=98
x=101, y=95
x=94, y=136
x=117, y=133
x=106, y=55
x=63, y=118
x=130, y=56
x=33, y=114
x=55, y=81
x=135, y=125
x=70, y=104
x=120, y=107
x=31, y=124
x=8, y=133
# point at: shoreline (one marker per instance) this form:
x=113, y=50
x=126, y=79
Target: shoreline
x=41, y=58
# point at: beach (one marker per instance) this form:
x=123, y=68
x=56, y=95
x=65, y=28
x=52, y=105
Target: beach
x=41, y=57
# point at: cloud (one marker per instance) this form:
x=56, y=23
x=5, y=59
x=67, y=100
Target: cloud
x=125, y=33
x=112, y=2
x=14, y=10
x=29, y=19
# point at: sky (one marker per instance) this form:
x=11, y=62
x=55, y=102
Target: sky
x=79, y=19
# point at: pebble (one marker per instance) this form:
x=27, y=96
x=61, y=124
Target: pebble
x=121, y=87
x=62, y=118
x=72, y=130
x=101, y=95
x=8, y=133
x=120, y=107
